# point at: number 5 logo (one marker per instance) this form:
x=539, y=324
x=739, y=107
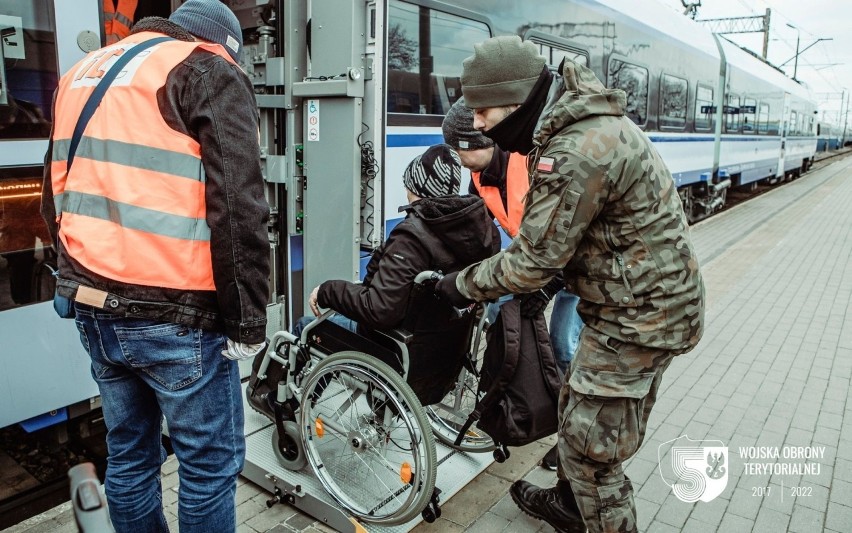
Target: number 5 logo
x=698, y=470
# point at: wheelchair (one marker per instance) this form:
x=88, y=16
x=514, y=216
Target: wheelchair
x=364, y=409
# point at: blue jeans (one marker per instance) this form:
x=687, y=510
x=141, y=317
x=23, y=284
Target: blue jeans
x=146, y=370
x=494, y=307
x=565, y=326
x=336, y=318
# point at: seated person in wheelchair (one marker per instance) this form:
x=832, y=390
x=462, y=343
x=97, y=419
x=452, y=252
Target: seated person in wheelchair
x=443, y=232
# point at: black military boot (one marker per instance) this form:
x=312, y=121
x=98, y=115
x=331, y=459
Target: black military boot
x=555, y=505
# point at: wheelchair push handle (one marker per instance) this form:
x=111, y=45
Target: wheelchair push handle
x=90, y=510
x=428, y=279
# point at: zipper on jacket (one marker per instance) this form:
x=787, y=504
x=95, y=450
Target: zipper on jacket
x=532, y=162
x=620, y=261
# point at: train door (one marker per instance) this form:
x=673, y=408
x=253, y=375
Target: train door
x=785, y=129
x=43, y=363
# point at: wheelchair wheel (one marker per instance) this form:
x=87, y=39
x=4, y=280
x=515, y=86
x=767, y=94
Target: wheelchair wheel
x=289, y=450
x=448, y=416
x=368, y=439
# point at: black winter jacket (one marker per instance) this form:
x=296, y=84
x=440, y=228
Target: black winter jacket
x=211, y=100
x=445, y=233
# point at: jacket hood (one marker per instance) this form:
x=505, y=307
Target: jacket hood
x=574, y=96
x=460, y=222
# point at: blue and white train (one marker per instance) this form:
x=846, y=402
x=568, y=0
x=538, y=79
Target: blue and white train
x=719, y=116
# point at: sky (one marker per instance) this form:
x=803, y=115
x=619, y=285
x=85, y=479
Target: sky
x=826, y=67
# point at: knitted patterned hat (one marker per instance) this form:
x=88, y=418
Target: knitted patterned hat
x=502, y=71
x=458, y=129
x=436, y=172
x=212, y=21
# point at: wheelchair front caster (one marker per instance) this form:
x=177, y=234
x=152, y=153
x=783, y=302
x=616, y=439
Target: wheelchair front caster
x=432, y=511
x=501, y=454
x=289, y=450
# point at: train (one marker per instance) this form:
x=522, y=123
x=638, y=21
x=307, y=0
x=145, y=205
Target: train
x=719, y=115
x=829, y=137
x=376, y=83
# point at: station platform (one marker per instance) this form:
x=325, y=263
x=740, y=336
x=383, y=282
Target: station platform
x=770, y=381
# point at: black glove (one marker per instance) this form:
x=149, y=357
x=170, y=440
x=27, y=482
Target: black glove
x=535, y=302
x=447, y=291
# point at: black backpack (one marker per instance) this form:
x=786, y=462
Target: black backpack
x=519, y=382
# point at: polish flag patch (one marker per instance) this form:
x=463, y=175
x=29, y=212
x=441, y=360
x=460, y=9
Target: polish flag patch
x=545, y=164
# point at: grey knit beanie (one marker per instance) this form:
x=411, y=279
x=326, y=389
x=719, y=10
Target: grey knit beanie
x=436, y=172
x=212, y=21
x=459, y=131
x=502, y=71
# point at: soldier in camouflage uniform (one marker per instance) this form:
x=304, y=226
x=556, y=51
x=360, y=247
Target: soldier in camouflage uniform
x=603, y=209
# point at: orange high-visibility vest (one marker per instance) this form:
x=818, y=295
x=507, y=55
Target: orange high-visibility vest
x=132, y=208
x=517, y=185
x=118, y=19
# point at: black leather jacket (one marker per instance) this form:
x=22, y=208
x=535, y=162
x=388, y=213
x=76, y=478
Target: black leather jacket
x=211, y=100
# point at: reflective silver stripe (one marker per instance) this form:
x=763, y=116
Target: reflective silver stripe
x=60, y=149
x=124, y=20
x=134, y=217
x=57, y=202
x=132, y=155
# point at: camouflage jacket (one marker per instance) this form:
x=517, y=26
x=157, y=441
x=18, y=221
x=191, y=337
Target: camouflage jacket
x=602, y=207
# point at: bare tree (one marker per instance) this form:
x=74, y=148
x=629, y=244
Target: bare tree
x=402, y=51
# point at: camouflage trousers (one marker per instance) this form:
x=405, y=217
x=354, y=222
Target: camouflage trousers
x=604, y=406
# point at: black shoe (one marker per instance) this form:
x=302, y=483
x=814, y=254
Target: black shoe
x=551, y=459
x=259, y=402
x=556, y=505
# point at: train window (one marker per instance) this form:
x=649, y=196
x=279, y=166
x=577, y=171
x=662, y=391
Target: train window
x=748, y=112
x=732, y=114
x=704, y=109
x=426, y=48
x=555, y=49
x=763, y=118
x=633, y=80
x=26, y=259
x=793, y=126
x=558, y=54
x=28, y=73
x=673, y=101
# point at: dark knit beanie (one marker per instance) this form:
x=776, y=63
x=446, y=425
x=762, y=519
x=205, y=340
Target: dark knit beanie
x=212, y=21
x=459, y=131
x=436, y=172
x=502, y=71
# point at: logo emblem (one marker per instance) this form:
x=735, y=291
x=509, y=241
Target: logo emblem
x=696, y=470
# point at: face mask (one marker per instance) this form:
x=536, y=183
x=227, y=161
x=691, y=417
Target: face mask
x=515, y=132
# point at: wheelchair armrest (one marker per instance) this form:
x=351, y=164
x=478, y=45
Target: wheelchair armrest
x=398, y=334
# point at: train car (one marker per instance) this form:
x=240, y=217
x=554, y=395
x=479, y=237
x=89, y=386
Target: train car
x=748, y=124
x=828, y=137
x=719, y=116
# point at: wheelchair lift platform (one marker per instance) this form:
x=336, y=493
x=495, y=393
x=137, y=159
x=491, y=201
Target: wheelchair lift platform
x=303, y=491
